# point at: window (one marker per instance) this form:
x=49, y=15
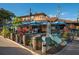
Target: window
x=23, y=19
x=42, y=17
x=26, y=18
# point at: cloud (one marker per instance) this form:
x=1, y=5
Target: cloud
x=63, y=13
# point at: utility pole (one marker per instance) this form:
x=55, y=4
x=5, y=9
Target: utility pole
x=30, y=32
x=78, y=17
x=30, y=21
x=30, y=14
x=33, y=38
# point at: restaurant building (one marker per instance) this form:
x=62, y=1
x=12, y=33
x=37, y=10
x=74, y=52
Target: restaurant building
x=35, y=17
x=43, y=19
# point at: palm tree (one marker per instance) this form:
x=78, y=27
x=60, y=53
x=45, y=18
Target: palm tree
x=5, y=16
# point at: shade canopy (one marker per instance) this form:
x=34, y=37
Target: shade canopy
x=44, y=23
x=35, y=23
x=58, y=23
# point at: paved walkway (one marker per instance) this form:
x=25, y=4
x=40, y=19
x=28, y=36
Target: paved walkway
x=70, y=49
x=9, y=48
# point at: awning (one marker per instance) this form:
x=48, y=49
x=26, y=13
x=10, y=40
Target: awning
x=58, y=23
x=35, y=23
x=44, y=23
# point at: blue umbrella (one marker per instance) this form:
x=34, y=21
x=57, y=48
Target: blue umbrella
x=44, y=23
x=58, y=23
x=35, y=23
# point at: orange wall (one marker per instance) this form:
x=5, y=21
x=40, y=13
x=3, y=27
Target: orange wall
x=25, y=18
x=36, y=18
x=40, y=18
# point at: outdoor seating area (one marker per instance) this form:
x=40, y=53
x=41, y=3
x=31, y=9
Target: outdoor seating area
x=56, y=35
x=42, y=37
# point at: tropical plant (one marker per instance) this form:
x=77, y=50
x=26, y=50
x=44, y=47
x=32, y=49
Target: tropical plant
x=5, y=32
x=16, y=22
x=5, y=16
x=65, y=35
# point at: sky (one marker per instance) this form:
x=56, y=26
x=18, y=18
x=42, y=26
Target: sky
x=68, y=10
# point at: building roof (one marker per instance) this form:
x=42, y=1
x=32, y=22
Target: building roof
x=66, y=21
x=40, y=14
x=52, y=19
x=36, y=14
x=25, y=16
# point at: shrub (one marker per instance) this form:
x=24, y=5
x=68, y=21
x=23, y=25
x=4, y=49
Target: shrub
x=65, y=35
x=5, y=32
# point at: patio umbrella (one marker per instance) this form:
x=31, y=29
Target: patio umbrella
x=58, y=23
x=44, y=23
x=34, y=23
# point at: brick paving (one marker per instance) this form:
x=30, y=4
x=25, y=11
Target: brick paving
x=71, y=49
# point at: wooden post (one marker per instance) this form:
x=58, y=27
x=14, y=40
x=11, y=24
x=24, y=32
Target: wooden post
x=20, y=39
x=44, y=48
x=16, y=38
x=34, y=43
x=11, y=36
x=44, y=45
x=24, y=43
